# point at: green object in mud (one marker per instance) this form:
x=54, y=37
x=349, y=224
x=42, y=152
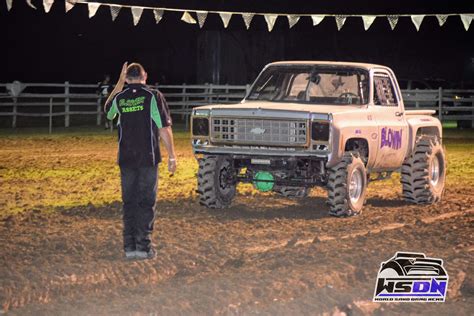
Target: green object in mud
x=264, y=181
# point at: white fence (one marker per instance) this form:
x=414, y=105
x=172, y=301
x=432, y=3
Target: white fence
x=80, y=100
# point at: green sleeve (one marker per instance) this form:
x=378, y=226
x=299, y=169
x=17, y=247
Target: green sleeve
x=155, y=114
x=113, y=110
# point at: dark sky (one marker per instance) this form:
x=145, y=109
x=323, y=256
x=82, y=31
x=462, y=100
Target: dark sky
x=55, y=47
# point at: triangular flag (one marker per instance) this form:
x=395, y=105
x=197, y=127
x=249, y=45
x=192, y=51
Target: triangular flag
x=188, y=18
x=417, y=20
x=47, y=4
x=137, y=14
x=441, y=19
x=368, y=20
x=270, y=18
x=201, y=17
x=93, y=7
x=225, y=17
x=392, y=20
x=9, y=4
x=292, y=20
x=158, y=13
x=69, y=5
x=114, y=11
x=30, y=4
x=247, y=17
x=317, y=19
x=466, y=20
x=340, y=20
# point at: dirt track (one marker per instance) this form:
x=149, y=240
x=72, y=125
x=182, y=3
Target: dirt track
x=61, y=244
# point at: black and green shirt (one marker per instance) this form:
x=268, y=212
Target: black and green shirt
x=142, y=112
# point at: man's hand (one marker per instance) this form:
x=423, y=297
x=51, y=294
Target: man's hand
x=118, y=87
x=123, y=73
x=172, y=163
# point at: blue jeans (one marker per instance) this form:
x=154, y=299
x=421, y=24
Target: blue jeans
x=138, y=196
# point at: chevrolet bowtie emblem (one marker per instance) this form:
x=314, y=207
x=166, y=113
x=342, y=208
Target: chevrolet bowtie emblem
x=257, y=130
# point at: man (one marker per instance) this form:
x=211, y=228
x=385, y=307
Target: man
x=103, y=90
x=144, y=118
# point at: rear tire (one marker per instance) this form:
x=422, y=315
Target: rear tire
x=216, y=181
x=347, y=186
x=424, y=172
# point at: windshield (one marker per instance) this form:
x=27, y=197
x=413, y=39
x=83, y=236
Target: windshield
x=312, y=84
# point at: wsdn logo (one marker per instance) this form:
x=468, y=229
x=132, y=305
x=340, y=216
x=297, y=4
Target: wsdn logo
x=411, y=277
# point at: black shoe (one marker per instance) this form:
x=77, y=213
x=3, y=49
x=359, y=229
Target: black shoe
x=150, y=254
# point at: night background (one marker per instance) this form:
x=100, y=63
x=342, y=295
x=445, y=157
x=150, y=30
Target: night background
x=292, y=248
x=56, y=47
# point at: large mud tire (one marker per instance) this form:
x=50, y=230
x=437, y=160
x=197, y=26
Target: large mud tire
x=214, y=189
x=424, y=172
x=291, y=192
x=347, y=186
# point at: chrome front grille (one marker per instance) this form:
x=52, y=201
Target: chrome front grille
x=259, y=131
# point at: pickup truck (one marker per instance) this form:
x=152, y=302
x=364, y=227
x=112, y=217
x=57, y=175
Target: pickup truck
x=337, y=125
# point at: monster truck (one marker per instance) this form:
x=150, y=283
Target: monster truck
x=336, y=125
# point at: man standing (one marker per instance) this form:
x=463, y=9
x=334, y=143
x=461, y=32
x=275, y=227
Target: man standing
x=144, y=118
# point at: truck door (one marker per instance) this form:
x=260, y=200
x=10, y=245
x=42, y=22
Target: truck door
x=392, y=126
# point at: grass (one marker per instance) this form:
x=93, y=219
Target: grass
x=78, y=167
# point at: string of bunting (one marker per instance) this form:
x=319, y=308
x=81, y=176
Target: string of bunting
x=199, y=16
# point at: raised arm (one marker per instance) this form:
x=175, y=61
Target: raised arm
x=118, y=87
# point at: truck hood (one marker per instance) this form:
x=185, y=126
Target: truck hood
x=280, y=106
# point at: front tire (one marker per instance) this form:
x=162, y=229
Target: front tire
x=216, y=181
x=347, y=186
x=424, y=172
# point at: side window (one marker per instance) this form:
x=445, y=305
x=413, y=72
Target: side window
x=384, y=93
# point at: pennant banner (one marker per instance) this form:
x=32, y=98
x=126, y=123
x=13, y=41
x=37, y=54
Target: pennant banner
x=441, y=19
x=68, y=6
x=368, y=20
x=392, y=20
x=201, y=18
x=114, y=11
x=270, y=18
x=292, y=20
x=225, y=17
x=466, y=20
x=340, y=20
x=247, y=17
x=317, y=19
x=93, y=7
x=28, y=2
x=47, y=4
x=137, y=14
x=188, y=18
x=158, y=13
x=417, y=20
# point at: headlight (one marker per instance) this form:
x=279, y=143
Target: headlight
x=200, y=126
x=320, y=130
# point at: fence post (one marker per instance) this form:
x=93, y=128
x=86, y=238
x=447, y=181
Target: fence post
x=184, y=100
x=50, y=115
x=15, y=100
x=440, y=103
x=66, y=104
x=99, y=110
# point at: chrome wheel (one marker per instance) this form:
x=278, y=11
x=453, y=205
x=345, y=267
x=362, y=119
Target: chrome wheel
x=434, y=171
x=355, y=185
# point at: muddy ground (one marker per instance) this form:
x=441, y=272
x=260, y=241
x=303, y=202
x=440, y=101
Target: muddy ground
x=60, y=240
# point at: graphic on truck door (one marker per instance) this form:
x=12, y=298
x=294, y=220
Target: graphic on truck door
x=392, y=127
